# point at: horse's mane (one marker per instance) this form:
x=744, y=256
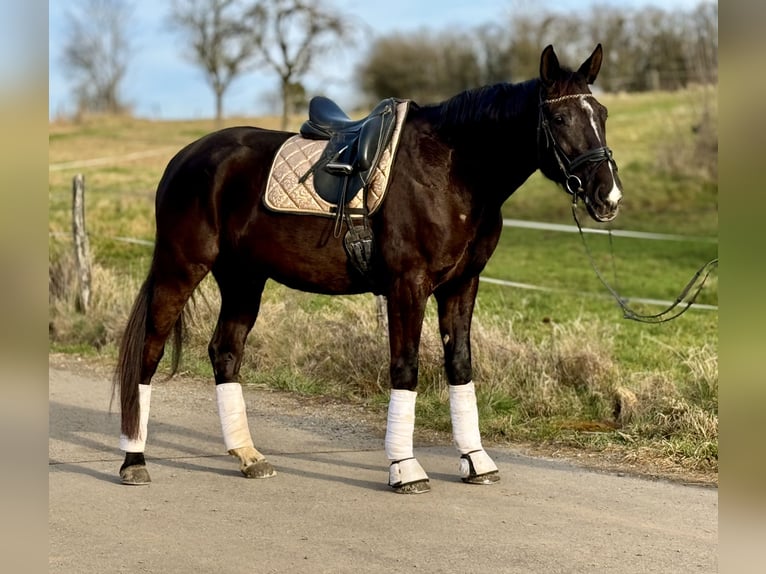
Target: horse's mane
x=481, y=106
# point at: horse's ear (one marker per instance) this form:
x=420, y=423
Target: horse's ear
x=592, y=65
x=550, y=69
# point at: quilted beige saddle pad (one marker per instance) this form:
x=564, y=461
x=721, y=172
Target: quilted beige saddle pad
x=296, y=156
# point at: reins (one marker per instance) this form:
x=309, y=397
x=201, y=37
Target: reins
x=573, y=185
x=668, y=314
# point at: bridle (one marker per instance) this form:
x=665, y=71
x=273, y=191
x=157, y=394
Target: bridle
x=572, y=183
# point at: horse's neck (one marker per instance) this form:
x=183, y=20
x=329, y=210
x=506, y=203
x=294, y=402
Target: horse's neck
x=494, y=157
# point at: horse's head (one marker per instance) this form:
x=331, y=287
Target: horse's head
x=572, y=135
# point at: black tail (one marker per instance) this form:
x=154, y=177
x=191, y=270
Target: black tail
x=129, y=372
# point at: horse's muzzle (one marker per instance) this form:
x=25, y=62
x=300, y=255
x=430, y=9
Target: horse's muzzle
x=602, y=212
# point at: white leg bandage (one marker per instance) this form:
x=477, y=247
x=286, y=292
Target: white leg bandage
x=465, y=431
x=231, y=410
x=400, y=426
x=139, y=444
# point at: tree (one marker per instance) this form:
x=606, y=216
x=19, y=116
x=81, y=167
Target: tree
x=96, y=53
x=221, y=36
x=423, y=67
x=494, y=53
x=290, y=35
x=702, y=30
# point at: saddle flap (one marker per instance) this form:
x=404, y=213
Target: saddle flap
x=333, y=187
x=373, y=138
x=353, y=150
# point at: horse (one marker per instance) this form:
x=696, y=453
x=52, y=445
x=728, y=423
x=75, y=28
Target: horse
x=457, y=163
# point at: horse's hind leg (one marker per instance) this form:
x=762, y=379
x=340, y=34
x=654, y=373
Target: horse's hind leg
x=156, y=311
x=240, y=302
x=456, y=302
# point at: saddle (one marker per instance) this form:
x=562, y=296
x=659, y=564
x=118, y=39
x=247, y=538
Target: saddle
x=346, y=167
x=353, y=150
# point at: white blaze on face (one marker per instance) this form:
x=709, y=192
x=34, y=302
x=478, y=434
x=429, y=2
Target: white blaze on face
x=615, y=194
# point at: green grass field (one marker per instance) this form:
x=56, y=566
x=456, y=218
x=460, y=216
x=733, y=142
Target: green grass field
x=558, y=367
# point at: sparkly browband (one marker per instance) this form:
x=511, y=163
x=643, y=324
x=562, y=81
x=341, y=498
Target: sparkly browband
x=567, y=97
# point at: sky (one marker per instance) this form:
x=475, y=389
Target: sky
x=162, y=84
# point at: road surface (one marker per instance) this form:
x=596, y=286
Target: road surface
x=329, y=509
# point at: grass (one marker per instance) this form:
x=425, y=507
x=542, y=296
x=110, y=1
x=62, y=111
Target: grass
x=557, y=368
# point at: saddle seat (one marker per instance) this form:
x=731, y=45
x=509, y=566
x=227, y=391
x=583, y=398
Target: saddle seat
x=326, y=118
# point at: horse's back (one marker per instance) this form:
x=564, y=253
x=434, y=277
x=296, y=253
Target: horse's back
x=197, y=167
x=219, y=175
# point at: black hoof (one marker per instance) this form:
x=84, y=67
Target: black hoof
x=418, y=487
x=489, y=478
x=135, y=476
x=260, y=469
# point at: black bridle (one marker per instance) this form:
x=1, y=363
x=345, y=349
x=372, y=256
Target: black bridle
x=572, y=183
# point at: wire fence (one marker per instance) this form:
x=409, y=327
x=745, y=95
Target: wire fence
x=527, y=286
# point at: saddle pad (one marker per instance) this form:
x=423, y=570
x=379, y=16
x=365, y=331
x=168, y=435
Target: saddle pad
x=296, y=156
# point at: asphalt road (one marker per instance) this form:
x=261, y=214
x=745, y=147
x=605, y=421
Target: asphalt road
x=329, y=509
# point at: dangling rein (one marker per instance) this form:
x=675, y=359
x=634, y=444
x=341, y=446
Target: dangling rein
x=673, y=311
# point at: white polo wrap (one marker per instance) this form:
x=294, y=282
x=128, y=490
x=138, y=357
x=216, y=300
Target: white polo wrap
x=233, y=414
x=465, y=417
x=400, y=426
x=138, y=444
x=465, y=430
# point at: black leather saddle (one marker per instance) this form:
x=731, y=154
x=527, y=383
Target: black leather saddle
x=353, y=150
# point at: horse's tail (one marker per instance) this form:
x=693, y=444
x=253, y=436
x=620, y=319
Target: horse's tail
x=128, y=373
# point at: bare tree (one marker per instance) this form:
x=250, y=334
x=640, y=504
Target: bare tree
x=493, y=49
x=96, y=53
x=221, y=38
x=290, y=35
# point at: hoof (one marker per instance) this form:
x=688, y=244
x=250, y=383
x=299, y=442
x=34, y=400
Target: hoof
x=259, y=469
x=489, y=478
x=418, y=487
x=135, y=475
x=478, y=468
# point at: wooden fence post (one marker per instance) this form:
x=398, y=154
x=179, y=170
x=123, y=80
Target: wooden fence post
x=81, y=244
x=382, y=313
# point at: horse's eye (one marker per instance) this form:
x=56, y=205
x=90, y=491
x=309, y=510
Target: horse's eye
x=559, y=119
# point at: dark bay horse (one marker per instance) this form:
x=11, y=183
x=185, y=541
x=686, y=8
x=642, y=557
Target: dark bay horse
x=457, y=162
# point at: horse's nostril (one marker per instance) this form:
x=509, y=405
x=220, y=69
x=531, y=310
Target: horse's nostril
x=615, y=196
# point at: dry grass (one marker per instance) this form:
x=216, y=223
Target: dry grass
x=111, y=297
x=565, y=389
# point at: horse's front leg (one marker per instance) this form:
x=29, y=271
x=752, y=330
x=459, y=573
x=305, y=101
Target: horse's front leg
x=406, y=308
x=456, y=303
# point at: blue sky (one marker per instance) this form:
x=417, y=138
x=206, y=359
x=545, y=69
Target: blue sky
x=160, y=83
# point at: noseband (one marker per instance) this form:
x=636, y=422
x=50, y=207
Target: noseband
x=572, y=183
